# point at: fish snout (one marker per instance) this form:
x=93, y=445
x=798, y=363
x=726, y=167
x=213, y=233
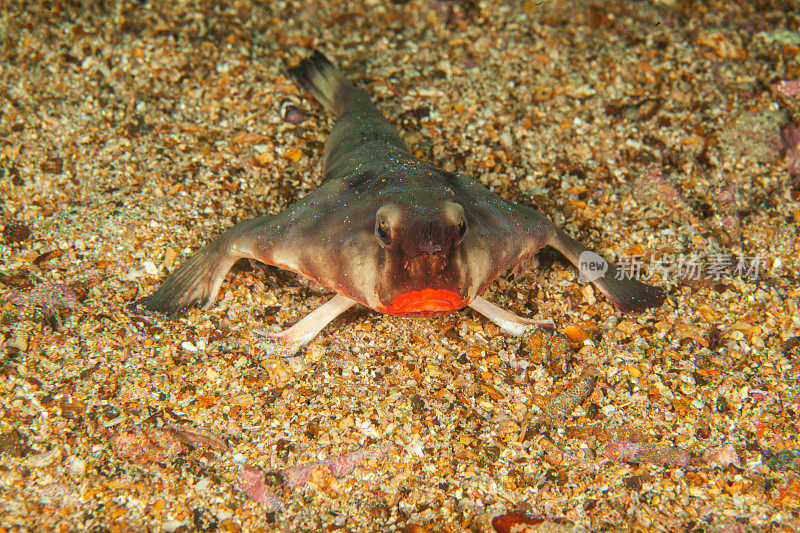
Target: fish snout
x=432, y=238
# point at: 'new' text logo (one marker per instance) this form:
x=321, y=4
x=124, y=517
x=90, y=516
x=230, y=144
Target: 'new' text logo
x=592, y=267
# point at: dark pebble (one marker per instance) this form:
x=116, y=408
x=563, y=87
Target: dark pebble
x=16, y=233
x=12, y=444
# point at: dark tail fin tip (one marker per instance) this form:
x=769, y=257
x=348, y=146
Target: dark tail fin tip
x=319, y=59
x=317, y=75
x=633, y=296
x=303, y=71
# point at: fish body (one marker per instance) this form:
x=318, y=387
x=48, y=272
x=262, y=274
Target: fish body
x=388, y=230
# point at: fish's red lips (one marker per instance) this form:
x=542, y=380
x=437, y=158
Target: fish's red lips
x=425, y=301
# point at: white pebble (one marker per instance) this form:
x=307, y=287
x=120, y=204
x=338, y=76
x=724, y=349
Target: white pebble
x=171, y=525
x=77, y=466
x=150, y=268
x=608, y=410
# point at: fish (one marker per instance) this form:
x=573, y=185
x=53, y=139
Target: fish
x=389, y=231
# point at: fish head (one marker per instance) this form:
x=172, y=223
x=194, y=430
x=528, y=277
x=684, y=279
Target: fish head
x=419, y=256
x=418, y=249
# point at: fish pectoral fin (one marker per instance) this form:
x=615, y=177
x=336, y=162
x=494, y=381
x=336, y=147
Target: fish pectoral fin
x=310, y=325
x=508, y=321
x=198, y=279
x=629, y=295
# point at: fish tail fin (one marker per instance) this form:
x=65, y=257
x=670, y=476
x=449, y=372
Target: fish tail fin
x=320, y=77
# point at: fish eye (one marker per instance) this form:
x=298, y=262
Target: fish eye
x=462, y=229
x=382, y=231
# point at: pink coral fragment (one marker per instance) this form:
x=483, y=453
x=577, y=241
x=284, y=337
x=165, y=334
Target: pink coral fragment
x=653, y=183
x=621, y=451
x=724, y=456
x=566, y=402
x=49, y=297
x=663, y=455
x=647, y=453
x=788, y=88
x=198, y=437
x=729, y=527
x=251, y=481
x=727, y=208
x=339, y=467
x=790, y=145
x=147, y=445
x=157, y=445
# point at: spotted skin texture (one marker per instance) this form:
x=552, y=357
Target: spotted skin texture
x=387, y=230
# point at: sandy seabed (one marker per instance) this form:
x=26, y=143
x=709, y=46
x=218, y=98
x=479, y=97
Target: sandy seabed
x=661, y=133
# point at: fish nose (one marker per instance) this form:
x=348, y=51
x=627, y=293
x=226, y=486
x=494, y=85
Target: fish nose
x=430, y=247
x=431, y=238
